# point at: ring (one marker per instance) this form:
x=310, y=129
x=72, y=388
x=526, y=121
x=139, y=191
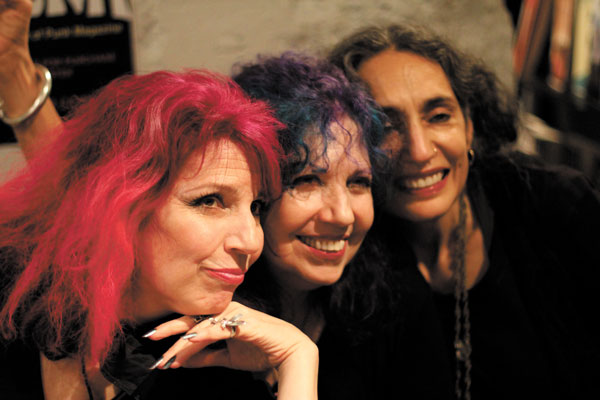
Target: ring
x=199, y=318
x=232, y=323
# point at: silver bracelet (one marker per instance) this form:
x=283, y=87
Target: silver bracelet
x=37, y=103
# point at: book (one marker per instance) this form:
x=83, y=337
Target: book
x=561, y=35
x=531, y=37
x=593, y=89
x=582, y=48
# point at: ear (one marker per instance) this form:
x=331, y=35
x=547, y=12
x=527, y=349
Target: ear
x=469, y=131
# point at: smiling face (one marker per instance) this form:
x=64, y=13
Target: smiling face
x=429, y=136
x=197, y=246
x=317, y=226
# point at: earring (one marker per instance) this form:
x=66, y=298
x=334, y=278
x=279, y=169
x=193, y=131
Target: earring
x=471, y=156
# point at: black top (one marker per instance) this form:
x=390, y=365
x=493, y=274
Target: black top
x=127, y=369
x=342, y=375
x=532, y=312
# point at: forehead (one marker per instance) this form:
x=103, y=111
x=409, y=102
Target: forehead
x=345, y=141
x=220, y=162
x=399, y=76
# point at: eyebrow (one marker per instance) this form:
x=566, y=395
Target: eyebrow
x=211, y=188
x=430, y=104
x=318, y=170
x=438, y=102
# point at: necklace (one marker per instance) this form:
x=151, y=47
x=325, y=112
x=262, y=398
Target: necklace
x=85, y=379
x=462, y=324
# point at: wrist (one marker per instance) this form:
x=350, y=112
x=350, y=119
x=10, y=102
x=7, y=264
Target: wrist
x=15, y=97
x=298, y=374
x=20, y=86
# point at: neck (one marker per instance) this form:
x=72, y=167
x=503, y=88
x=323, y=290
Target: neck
x=298, y=309
x=432, y=242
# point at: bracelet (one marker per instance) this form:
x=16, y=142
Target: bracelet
x=37, y=103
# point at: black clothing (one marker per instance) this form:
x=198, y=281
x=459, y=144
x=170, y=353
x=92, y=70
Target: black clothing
x=127, y=369
x=531, y=314
x=341, y=373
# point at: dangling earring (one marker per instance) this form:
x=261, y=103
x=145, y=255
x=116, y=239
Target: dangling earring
x=471, y=156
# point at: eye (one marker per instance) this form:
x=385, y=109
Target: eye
x=258, y=207
x=439, y=117
x=388, y=128
x=304, y=180
x=360, y=182
x=395, y=123
x=302, y=187
x=208, y=201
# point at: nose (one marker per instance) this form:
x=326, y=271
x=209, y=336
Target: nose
x=245, y=235
x=418, y=145
x=337, y=207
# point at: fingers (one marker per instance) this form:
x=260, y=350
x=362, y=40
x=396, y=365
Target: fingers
x=209, y=357
x=194, y=341
x=170, y=328
x=261, y=341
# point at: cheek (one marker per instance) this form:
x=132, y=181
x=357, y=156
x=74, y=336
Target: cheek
x=282, y=220
x=364, y=214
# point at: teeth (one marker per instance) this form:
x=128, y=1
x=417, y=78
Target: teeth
x=323, y=245
x=423, y=182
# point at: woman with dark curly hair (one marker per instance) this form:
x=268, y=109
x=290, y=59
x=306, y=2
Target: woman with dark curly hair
x=496, y=252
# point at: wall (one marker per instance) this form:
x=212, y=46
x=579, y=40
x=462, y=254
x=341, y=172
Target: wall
x=215, y=34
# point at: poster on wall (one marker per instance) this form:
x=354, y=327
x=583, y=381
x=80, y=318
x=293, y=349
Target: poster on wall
x=84, y=43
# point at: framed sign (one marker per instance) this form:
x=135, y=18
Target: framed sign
x=84, y=43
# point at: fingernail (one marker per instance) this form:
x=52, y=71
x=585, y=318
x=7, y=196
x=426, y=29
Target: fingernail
x=168, y=363
x=189, y=336
x=156, y=364
x=149, y=333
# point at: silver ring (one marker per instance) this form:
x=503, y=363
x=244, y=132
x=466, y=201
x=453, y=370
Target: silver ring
x=232, y=323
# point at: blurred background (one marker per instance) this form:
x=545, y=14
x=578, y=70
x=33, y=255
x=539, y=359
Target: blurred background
x=530, y=44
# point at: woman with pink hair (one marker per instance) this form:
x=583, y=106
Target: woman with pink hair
x=147, y=205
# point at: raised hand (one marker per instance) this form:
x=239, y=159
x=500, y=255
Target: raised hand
x=20, y=81
x=17, y=70
x=254, y=341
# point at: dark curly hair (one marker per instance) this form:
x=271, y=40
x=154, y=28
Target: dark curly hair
x=479, y=92
x=308, y=94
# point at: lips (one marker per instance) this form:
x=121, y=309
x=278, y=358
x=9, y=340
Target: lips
x=416, y=183
x=330, y=250
x=229, y=276
x=326, y=245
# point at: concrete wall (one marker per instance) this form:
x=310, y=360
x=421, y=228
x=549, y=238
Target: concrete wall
x=215, y=34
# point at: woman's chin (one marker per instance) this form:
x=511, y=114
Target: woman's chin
x=215, y=304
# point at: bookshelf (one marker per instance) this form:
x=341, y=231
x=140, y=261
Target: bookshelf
x=557, y=67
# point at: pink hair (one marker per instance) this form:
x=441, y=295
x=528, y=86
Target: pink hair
x=68, y=222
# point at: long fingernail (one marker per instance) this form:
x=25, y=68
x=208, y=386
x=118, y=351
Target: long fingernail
x=149, y=333
x=156, y=364
x=189, y=336
x=168, y=363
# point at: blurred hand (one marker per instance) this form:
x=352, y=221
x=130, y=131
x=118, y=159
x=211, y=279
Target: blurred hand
x=19, y=81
